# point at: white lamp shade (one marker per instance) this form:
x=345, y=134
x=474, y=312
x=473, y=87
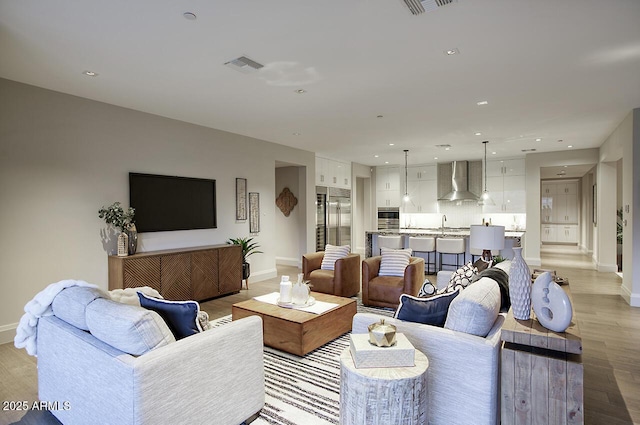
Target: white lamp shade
x=486, y=237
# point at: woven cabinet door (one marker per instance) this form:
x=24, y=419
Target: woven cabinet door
x=204, y=274
x=142, y=272
x=175, y=276
x=230, y=269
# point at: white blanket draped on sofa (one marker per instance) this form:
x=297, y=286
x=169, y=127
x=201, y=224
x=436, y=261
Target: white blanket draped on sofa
x=38, y=307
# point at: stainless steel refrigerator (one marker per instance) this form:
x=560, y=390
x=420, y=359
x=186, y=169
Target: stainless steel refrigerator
x=333, y=217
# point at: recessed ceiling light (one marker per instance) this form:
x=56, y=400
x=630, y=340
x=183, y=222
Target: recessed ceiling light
x=386, y=162
x=493, y=153
x=296, y=134
x=478, y=133
x=435, y=157
x=482, y=103
x=570, y=146
x=538, y=140
x=190, y=16
x=90, y=73
x=451, y=52
x=301, y=91
x=376, y=156
x=446, y=149
x=391, y=144
x=565, y=166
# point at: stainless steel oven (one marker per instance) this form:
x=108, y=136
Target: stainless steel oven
x=389, y=218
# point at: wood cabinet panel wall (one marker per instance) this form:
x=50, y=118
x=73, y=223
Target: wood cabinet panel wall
x=181, y=274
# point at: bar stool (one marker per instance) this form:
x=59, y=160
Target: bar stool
x=475, y=253
x=393, y=242
x=426, y=245
x=451, y=246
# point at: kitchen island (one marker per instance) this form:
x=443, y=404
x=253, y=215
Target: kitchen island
x=511, y=238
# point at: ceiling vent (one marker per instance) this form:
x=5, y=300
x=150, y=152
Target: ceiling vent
x=244, y=65
x=420, y=6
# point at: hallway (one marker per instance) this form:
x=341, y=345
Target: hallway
x=610, y=331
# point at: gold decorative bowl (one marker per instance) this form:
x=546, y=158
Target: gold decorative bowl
x=382, y=334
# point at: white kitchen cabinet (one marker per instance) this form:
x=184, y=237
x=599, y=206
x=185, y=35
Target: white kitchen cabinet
x=559, y=212
x=388, y=186
x=556, y=233
x=332, y=173
x=423, y=197
x=505, y=167
x=548, y=233
x=506, y=186
x=422, y=173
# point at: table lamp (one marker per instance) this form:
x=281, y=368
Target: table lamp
x=486, y=238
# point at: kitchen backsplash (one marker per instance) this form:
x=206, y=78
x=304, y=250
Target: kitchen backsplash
x=462, y=216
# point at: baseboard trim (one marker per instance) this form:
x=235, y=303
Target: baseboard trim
x=292, y=262
x=8, y=333
x=607, y=268
x=535, y=261
x=632, y=299
x=263, y=275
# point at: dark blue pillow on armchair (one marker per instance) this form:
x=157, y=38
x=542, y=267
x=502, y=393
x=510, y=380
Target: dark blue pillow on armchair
x=180, y=316
x=430, y=311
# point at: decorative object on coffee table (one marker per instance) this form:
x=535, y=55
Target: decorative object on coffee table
x=551, y=303
x=365, y=394
x=520, y=286
x=300, y=291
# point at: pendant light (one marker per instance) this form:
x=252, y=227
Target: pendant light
x=485, y=199
x=406, y=197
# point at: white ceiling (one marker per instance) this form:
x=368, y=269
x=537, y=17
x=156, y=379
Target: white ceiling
x=556, y=70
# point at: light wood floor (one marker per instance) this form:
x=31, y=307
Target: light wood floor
x=610, y=334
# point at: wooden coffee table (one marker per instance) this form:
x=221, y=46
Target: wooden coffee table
x=299, y=332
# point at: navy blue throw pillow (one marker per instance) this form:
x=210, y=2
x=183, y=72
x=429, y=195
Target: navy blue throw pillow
x=180, y=316
x=430, y=311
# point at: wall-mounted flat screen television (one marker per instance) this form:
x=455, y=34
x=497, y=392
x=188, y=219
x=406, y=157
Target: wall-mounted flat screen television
x=164, y=203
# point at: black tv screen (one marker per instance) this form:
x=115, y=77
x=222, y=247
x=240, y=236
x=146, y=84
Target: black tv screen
x=164, y=203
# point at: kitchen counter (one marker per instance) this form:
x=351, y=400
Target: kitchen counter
x=512, y=237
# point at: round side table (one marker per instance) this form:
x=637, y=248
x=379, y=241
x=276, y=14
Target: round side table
x=385, y=395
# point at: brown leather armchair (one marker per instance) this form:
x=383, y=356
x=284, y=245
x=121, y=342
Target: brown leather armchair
x=343, y=281
x=385, y=291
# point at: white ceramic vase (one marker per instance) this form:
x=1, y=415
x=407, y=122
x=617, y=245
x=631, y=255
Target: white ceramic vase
x=520, y=286
x=551, y=304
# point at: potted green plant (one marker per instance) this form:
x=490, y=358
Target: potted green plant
x=248, y=248
x=123, y=220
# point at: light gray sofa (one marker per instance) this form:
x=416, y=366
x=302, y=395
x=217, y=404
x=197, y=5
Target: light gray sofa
x=463, y=375
x=216, y=376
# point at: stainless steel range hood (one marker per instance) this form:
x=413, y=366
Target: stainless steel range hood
x=459, y=182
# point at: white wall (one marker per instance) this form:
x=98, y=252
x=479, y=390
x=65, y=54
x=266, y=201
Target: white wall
x=63, y=157
x=288, y=229
x=623, y=143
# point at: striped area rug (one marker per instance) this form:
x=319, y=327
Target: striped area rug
x=303, y=390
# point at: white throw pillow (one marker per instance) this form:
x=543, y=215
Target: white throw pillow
x=332, y=253
x=394, y=261
x=476, y=308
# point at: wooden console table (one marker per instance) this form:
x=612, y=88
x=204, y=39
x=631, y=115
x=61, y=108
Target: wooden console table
x=541, y=373
x=181, y=274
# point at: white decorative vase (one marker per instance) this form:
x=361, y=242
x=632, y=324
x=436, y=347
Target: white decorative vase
x=551, y=304
x=520, y=286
